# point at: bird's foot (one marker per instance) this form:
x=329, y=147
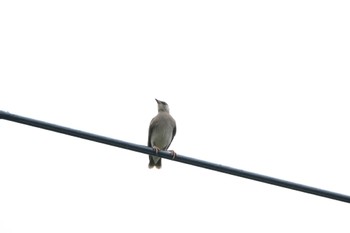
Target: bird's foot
x=172, y=153
x=156, y=149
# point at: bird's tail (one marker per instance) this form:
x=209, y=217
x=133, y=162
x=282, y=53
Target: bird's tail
x=155, y=161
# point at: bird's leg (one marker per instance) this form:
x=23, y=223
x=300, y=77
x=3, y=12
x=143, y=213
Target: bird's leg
x=172, y=153
x=156, y=149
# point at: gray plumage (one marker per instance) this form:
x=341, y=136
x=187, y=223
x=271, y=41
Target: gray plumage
x=161, y=133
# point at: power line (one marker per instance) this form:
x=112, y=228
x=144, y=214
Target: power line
x=179, y=158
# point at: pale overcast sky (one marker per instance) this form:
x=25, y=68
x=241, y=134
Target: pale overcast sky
x=257, y=85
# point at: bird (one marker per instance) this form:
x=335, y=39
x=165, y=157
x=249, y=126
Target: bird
x=161, y=133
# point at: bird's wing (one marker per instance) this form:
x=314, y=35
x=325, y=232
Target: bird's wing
x=150, y=130
x=152, y=126
x=172, y=136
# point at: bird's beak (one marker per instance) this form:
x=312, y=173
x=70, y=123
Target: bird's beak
x=157, y=101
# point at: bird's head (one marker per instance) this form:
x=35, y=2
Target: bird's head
x=162, y=106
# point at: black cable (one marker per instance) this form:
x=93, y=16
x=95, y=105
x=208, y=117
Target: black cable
x=179, y=158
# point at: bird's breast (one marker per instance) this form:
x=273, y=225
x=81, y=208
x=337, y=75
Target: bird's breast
x=162, y=136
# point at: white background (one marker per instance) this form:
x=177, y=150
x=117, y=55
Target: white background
x=257, y=85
